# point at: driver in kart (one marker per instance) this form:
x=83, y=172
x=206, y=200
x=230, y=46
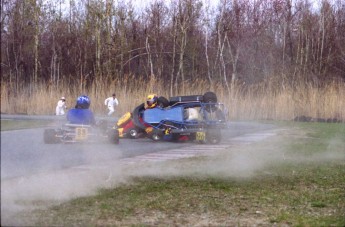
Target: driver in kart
x=81, y=114
x=151, y=101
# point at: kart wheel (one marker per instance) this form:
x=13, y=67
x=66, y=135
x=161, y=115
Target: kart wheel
x=49, y=136
x=113, y=136
x=210, y=97
x=133, y=133
x=213, y=136
x=163, y=102
x=156, y=135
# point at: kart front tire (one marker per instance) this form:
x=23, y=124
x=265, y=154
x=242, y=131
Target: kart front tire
x=213, y=136
x=133, y=133
x=49, y=136
x=156, y=135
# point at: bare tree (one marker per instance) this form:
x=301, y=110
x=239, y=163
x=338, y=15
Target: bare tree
x=95, y=41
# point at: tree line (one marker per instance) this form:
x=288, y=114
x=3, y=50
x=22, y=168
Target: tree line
x=83, y=42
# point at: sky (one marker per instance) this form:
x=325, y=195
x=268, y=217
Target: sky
x=141, y=4
x=212, y=3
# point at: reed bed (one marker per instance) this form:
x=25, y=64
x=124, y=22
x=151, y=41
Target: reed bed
x=256, y=102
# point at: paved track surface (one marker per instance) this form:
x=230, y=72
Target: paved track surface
x=32, y=170
x=23, y=152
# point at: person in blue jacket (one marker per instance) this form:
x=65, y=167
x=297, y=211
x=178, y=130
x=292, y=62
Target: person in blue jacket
x=81, y=114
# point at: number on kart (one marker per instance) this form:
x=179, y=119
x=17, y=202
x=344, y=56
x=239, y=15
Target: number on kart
x=81, y=133
x=200, y=136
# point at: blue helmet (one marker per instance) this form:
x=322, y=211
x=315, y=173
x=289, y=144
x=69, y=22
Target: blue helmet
x=83, y=102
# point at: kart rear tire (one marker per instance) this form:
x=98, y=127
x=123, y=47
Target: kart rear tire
x=113, y=136
x=136, y=116
x=213, y=136
x=49, y=136
x=163, y=102
x=210, y=97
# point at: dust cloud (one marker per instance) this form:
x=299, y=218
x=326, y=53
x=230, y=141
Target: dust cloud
x=243, y=161
x=20, y=195
x=239, y=161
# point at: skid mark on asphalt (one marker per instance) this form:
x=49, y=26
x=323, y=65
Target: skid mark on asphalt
x=253, y=137
x=186, y=152
x=198, y=150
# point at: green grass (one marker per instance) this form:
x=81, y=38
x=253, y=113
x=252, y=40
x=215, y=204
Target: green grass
x=302, y=193
x=22, y=124
x=318, y=138
x=297, y=200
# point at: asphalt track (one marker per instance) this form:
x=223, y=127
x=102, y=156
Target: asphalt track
x=23, y=152
x=33, y=171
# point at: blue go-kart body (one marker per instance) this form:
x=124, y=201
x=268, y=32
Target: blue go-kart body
x=192, y=120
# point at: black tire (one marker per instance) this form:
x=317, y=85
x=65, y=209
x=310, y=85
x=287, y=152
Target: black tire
x=163, y=102
x=49, y=136
x=210, y=97
x=156, y=135
x=189, y=98
x=133, y=133
x=136, y=120
x=174, y=137
x=113, y=136
x=213, y=136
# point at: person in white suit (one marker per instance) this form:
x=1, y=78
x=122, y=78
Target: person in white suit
x=61, y=106
x=111, y=102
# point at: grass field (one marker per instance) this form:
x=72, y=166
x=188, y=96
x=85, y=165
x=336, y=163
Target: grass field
x=22, y=124
x=294, y=179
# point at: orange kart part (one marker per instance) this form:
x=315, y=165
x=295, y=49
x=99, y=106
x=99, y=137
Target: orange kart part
x=125, y=128
x=149, y=130
x=124, y=119
x=121, y=135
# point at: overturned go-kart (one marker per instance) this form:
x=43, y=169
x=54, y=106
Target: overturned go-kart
x=182, y=118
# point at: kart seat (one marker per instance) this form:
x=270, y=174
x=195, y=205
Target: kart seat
x=192, y=114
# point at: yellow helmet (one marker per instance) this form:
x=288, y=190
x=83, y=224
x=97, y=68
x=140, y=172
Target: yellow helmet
x=151, y=100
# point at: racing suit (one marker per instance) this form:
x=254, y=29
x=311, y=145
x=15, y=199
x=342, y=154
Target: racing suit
x=81, y=116
x=111, y=102
x=60, y=107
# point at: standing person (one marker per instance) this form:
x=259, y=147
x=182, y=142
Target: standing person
x=111, y=102
x=61, y=106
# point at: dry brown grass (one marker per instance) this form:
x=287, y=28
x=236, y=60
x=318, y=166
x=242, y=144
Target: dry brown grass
x=264, y=101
